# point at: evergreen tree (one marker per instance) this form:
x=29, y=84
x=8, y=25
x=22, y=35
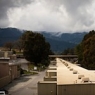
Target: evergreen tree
x=36, y=49
x=86, y=51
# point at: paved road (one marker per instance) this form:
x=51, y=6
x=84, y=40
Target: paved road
x=26, y=85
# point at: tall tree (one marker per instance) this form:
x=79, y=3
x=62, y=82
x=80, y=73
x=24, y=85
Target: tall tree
x=36, y=49
x=9, y=45
x=19, y=45
x=69, y=51
x=87, y=51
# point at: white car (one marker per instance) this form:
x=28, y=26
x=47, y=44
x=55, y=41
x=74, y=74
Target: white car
x=2, y=93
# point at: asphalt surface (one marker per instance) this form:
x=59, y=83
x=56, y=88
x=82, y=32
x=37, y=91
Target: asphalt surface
x=25, y=85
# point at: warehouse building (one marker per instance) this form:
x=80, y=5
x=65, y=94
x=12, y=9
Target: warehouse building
x=65, y=78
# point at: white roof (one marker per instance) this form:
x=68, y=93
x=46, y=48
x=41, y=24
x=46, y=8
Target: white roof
x=51, y=71
x=4, y=58
x=65, y=76
x=47, y=81
x=52, y=67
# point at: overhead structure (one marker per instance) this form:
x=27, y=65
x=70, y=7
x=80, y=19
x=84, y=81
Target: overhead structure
x=65, y=78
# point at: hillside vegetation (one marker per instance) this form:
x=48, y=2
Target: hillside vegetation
x=86, y=51
x=57, y=42
x=9, y=35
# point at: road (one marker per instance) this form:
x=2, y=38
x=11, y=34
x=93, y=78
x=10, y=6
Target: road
x=25, y=85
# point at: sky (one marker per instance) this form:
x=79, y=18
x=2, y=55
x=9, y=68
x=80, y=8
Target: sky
x=48, y=15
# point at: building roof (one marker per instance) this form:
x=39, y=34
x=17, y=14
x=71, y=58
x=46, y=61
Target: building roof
x=47, y=82
x=51, y=70
x=18, y=62
x=65, y=56
x=4, y=59
x=68, y=73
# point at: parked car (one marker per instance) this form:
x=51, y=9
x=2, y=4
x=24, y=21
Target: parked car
x=2, y=93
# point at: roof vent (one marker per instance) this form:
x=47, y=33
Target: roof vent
x=85, y=79
x=71, y=69
x=68, y=66
x=74, y=72
x=80, y=76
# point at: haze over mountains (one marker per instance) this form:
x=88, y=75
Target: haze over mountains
x=58, y=42
x=63, y=41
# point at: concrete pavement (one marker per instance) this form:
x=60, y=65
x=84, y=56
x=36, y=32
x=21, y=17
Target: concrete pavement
x=25, y=85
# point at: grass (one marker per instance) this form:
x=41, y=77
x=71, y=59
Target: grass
x=29, y=73
x=40, y=68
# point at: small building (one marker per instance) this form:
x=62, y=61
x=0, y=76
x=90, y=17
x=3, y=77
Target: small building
x=5, y=54
x=70, y=79
x=4, y=71
x=14, y=69
x=8, y=71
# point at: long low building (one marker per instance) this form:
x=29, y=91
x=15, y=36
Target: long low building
x=65, y=78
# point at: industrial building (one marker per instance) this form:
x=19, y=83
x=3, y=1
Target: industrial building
x=9, y=68
x=65, y=78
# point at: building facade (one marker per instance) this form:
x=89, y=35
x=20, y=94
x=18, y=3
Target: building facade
x=70, y=79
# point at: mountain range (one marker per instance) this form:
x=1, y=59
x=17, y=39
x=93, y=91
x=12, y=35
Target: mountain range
x=58, y=42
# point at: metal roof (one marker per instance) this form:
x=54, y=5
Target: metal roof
x=65, y=56
x=66, y=76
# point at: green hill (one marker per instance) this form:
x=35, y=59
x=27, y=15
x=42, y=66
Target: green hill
x=58, y=42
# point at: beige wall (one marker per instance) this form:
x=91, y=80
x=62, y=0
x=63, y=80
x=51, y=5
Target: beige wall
x=47, y=88
x=50, y=79
x=4, y=70
x=49, y=74
x=8, y=73
x=4, y=81
x=4, y=74
x=14, y=72
x=76, y=89
x=5, y=53
x=52, y=68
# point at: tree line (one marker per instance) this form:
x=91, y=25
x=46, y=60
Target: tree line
x=34, y=46
x=86, y=51
x=36, y=49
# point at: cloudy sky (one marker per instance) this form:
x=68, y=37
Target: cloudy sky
x=48, y=15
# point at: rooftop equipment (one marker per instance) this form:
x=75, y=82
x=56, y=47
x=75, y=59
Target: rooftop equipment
x=80, y=76
x=75, y=72
x=85, y=79
x=71, y=69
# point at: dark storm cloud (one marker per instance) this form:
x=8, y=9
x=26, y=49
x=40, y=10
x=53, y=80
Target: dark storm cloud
x=76, y=9
x=5, y=5
x=48, y=15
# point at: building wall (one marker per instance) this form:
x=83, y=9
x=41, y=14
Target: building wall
x=76, y=89
x=47, y=89
x=4, y=81
x=4, y=74
x=4, y=70
x=50, y=79
x=5, y=53
x=8, y=73
x=52, y=68
x=18, y=74
x=15, y=73
x=49, y=74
